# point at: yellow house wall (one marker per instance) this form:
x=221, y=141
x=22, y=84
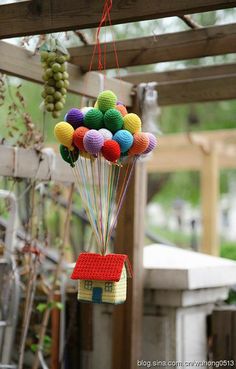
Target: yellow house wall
x=118, y=293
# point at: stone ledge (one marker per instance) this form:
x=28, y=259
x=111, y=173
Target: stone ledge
x=172, y=268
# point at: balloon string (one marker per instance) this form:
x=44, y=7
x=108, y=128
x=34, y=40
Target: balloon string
x=108, y=200
x=84, y=195
x=122, y=194
x=116, y=170
x=100, y=214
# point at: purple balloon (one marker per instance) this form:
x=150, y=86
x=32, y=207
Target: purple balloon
x=152, y=143
x=93, y=141
x=75, y=117
x=119, y=103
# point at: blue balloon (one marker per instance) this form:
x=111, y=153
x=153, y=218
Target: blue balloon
x=124, y=139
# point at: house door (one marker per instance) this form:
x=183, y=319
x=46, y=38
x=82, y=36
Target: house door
x=97, y=295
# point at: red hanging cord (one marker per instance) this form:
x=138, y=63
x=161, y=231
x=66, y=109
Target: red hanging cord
x=106, y=10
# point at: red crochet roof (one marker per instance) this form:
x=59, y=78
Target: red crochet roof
x=98, y=267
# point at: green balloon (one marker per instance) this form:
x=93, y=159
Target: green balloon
x=94, y=119
x=69, y=156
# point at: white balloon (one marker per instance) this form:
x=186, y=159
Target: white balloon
x=85, y=109
x=107, y=135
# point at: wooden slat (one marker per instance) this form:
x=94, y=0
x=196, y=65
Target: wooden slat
x=16, y=61
x=44, y=16
x=181, y=74
x=196, y=43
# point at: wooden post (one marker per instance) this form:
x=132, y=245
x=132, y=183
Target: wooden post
x=127, y=318
x=223, y=334
x=209, y=198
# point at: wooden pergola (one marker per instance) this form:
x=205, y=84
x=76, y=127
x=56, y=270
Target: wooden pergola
x=204, y=152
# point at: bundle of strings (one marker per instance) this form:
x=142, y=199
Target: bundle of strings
x=102, y=187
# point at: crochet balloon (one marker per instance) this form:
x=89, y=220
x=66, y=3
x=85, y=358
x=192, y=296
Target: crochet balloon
x=132, y=123
x=111, y=150
x=69, y=156
x=93, y=119
x=140, y=144
x=106, y=100
x=93, y=141
x=75, y=117
x=113, y=120
x=107, y=135
x=124, y=139
x=85, y=109
x=122, y=109
x=152, y=143
x=78, y=137
x=64, y=134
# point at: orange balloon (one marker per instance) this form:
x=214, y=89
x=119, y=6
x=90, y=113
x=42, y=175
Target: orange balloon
x=140, y=144
x=122, y=109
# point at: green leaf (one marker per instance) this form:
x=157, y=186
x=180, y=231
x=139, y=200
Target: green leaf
x=59, y=305
x=34, y=347
x=55, y=304
x=41, y=307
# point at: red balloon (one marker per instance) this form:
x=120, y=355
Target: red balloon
x=111, y=150
x=78, y=137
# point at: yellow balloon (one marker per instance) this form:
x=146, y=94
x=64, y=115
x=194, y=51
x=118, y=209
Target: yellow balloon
x=64, y=134
x=132, y=123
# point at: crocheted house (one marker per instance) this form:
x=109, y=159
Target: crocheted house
x=102, y=278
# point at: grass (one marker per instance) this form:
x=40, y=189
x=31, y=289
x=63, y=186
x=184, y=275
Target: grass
x=228, y=250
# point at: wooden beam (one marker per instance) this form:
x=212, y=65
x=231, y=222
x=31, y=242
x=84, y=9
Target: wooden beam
x=181, y=74
x=209, y=200
x=28, y=163
x=202, y=84
x=197, y=90
x=44, y=16
x=19, y=62
x=191, y=44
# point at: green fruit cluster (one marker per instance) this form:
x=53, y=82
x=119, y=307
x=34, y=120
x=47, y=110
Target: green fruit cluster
x=56, y=81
